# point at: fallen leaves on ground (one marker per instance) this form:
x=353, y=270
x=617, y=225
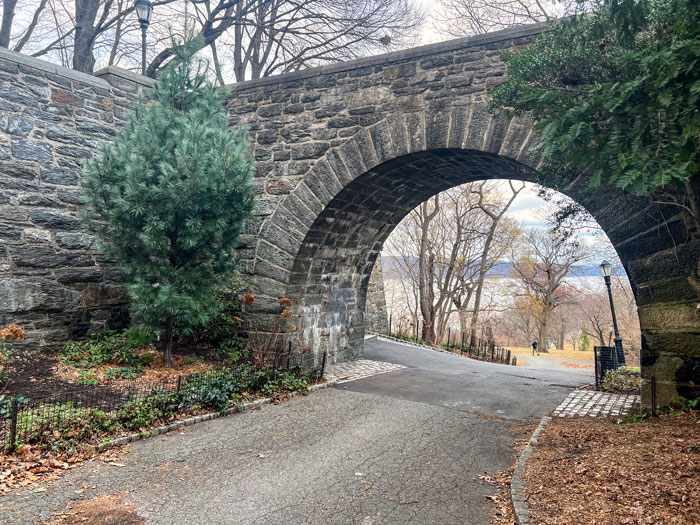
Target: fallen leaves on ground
x=31, y=466
x=27, y=468
x=595, y=471
x=154, y=374
x=502, y=510
x=105, y=509
x=569, y=364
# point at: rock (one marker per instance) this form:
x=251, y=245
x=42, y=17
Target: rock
x=62, y=176
x=65, y=135
x=54, y=220
x=24, y=295
x=105, y=294
x=32, y=150
x=76, y=241
x=16, y=125
x=309, y=150
x=44, y=256
x=9, y=233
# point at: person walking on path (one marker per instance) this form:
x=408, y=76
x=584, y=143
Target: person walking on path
x=534, y=348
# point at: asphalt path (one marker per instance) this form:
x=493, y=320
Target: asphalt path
x=400, y=447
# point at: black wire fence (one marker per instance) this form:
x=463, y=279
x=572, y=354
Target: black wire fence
x=460, y=343
x=26, y=419
x=607, y=358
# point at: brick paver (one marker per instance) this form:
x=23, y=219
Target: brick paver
x=582, y=403
x=359, y=369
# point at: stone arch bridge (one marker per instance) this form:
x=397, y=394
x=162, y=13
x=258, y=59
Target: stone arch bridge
x=342, y=153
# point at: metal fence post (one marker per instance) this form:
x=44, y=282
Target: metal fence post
x=653, y=396
x=448, y=337
x=179, y=384
x=515, y=360
x=323, y=364
x=13, y=424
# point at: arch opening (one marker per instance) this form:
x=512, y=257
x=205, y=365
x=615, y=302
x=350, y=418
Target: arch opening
x=331, y=271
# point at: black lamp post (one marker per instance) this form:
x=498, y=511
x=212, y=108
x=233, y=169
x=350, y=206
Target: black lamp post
x=606, y=270
x=144, y=9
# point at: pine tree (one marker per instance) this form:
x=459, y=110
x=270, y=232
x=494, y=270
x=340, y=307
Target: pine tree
x=168, y=199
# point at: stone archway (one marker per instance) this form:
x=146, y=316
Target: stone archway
x=344, y=151
x=326, y=234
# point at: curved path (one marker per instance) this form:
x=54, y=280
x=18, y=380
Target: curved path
x=400, y=447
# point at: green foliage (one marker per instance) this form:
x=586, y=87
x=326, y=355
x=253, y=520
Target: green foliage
x=168, y=199
x=103, y=347
x=585, y=345
x=68, y=427
x=88, y=377
x=136, y=337
x=221, y=332
x=405, y=337
x=616, y=93
x=621, y=381
x=124, y=372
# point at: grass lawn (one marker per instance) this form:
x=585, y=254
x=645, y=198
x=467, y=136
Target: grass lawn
x=576, y=355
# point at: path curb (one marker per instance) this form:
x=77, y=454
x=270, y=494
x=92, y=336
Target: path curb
x=521, y=511
x=198, y=419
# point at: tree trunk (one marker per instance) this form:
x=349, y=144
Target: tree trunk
x=168, y=344
x=8, y=14
x=426, y=265
x=85, y=33
x=543, y=345
x=562, y=332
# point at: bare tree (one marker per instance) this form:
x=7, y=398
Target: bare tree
x=472, y=17
x=542, y=264
x=257, y=37
x=495, y=212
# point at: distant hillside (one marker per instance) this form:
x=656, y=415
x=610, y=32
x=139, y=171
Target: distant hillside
x=502, y=269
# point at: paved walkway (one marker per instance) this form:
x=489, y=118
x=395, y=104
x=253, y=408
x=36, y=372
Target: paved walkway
x=400, y=447
x=582, y=403
x=359, y=369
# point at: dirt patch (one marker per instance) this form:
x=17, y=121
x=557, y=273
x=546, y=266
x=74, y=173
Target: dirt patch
x=596, y=471
x=105, y=509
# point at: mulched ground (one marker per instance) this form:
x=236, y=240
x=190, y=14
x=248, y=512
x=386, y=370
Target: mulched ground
x=43, y=374
x=595, y=471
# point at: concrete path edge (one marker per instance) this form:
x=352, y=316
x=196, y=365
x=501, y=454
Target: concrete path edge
x=521, y=510
x=198, y=419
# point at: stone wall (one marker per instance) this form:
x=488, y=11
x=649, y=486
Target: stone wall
x=375, y=309
x=53, y=281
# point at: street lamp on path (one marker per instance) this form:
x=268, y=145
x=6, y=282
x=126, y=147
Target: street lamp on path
x=606, y=270
x=144, y=9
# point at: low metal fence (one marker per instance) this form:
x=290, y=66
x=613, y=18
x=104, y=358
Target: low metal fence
x=23, y=416
x=607, y=358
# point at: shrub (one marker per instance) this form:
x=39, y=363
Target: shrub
x=124, y=372
x=621, y=381
x=104, y=347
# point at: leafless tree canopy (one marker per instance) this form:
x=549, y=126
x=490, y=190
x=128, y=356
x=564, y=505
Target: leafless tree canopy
x=472, y=17
x=244, y=38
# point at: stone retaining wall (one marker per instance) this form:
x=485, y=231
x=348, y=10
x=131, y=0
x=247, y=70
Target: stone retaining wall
x=53, y=281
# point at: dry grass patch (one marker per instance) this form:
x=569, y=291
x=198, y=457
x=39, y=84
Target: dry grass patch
x=576, y=355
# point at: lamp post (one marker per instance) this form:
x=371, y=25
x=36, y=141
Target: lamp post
x=605, y=270
x=144, y=9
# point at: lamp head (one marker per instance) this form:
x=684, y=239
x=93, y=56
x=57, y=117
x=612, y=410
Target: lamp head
x=605, y=269
x=144, y=9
